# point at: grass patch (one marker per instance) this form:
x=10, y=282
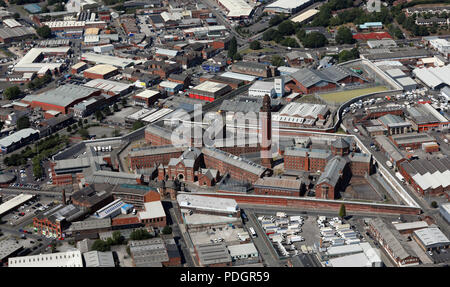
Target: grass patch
x=341, y=97
x=248, y=50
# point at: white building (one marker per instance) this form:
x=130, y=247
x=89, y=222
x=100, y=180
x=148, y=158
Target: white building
x=261, y=88
x=287, y=6
x=207, y=204
x=60, y=259
x=243, y=251
x=442, y=45
x=80, y=5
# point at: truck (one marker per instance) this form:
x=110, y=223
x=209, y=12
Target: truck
x=252, y=232
x=294, y=238
x=400, y=177
x=281, y=214
x=389, y=164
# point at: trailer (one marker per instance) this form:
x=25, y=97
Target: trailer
x=281, y=214
x=389, y=164
x=352, y=241
x=293, y=238
x=400, y=177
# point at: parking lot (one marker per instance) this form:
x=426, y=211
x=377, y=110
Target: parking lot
x=26, y=211
x=227, y=234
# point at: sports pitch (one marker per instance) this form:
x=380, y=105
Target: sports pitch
x=341, y=97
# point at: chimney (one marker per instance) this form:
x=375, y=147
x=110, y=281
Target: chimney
x=64, y=196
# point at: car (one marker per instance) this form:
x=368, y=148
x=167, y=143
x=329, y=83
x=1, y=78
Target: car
x=430, y=253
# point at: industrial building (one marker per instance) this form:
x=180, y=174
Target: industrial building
x=302, y=115
x=118, y=62
x=9, y=248
x=427, y=176
x=112, y=88
x=213, y=255
x=100, y=71
x=260, y=89
x=424, y=117
x=11, y=34
x=153, y=214
x=395, y=124
x=236, y=9
x=287, y=6
x=435, y=78
x=208, y=91
x=243, y=251
x=146, y=98
x=444, y=210
x=13, y=203
x=18, y=140
x=431, y=238
x=31, y=62
x=155, y=252
x=208, y=205
x=59, y=259
x=253, y=69
x=99, y=259
x=61, y=98
x=412, y=140
x=55, y=221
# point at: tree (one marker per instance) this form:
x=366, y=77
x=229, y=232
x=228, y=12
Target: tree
x=314, y=40
x=16, y=15
x=167, y=230
x=290, y=42
x=347, y=55
x=99, y=115
x=434, y=204
x=69, y=129
x=137, y=125
x=255, y=45
x=277, y=61
x=100, y=245
x=84, y=133
x=12, y=93
x=140, y=234
x=232, y=48
x=23, y=123
x=344, y=36
x=44, y=32
x=1, y=125
x=85, y=121
x=342, y=212
x=106, y=111
x=124, y=102
x=237, y=57
x=117, y=238
x=115, y=108
x=116, y=133
x=286, y=28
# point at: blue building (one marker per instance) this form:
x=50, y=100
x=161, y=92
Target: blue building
x=371, y=25
x=33, y=8
x=212, y=67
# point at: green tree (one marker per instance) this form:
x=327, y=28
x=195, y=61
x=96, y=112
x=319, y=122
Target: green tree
x=347, y=55
x=344, y=36
x=100, y=245
x=69, y=129
x=23, y=123
x=124, y=102
x=237, y=57
x=99, y=115
x=434, y=204
x=286, y=28
x=232, y=48
x=117, y=238
x=290, y=42
x=167, y=230
x=85, y=121
x=12, y=93
x=300, y=34
x=115, y=108
x=277, y=61
x=106, y=111
x=116, y=133
x=44, y=32
x=137, y=125
x=140, y=234
x=314, y=40
x=342, y=212
x=84, y=133
x=255, y=45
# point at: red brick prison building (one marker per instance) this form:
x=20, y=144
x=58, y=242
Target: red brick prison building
x=332, y=178
x=427, y=177
x=62, y=98
x=92, y=197
x=209, y=91
x=306, y=159
x=311, y=81
x=156, y=135
x=238, y=168
x=185, y=166
x=391, y=241
x=279, y=186
x=148, y=157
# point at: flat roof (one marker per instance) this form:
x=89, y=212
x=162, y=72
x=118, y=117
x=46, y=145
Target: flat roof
x=208, y=86
x=60, y=259
x=8, y=247
x=153, y=209
x=237, y=8
x=28, y=62
x=238, y=76
x=242, y=249
x=410, y=225
x=101, y=69
x=207, y=203
x=305, y=16
x=213, y=253
x=354, y=260
x=106, y=59
x=108, y=85
x=288, y=4
x=147, y=94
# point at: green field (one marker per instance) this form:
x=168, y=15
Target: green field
x=340, y=97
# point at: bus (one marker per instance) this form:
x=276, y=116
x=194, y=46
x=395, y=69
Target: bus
x=252, y=232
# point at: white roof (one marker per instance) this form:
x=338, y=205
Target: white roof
x=91, y=38
x=105, y=59
x=262, y=86
x=27, y=63
x=354, y=260
x=288, y=70
x=208, y=86
x=207, y=203
x=153, y=209
x=107, y=85
x=11, y=23
x=237, y=8
x=287, y=4
x=147, y=94
x=238, y=76
x=141, y=114
x=242, y=249
x=305, y=15
x=99, y=259
x=65, y=24
x=435, y=113
x=433, y=77
x=14, y=202
x=157, y=115
x=432, y=236
x=410, y=225
x=17, y=137
x=167, y=52
x=344, y=249
x=169, y=84
x=60, y=259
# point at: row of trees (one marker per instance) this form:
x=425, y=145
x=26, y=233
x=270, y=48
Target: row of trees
x=12, y=93
x=233, y=50
x=38, y=83
x=409, y=23
x=347, y=55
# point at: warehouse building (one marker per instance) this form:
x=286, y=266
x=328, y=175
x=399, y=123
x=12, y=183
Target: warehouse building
x=111, y=88
x=395, y=124
x=98, y=259
x=78, y=67
x=31, y=62
x=410, y=227
x=412, y=140
x=118, y=62
x=243, y=251
x=209, y=91
x=303, y=115
x=59, y=259
x=101, y=71
x=287, y=6
x=155, y=252
x=424, y=117
x=260, y=89
x=431, y=238
x=435, y=78
x=390, y=150
x=61, y=98
x=253, y=69
x=18, y=140
x=88, y=229
x=11, y=34
x=213, y=255
x=208, y=205
x=279, y=186
x=444, y=210
x=55, y=221
x=146, y=98
x=427, y=176
x=153, y=214
x=13, y=203
x=236, y=9
x=9, y=248
x=393, y=244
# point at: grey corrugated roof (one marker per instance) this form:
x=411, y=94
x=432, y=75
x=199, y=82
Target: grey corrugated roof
x=99, y=259
x=340, y=143
x=332, y=171
x=213, y=253
x=62, y=95
x=17, y=137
